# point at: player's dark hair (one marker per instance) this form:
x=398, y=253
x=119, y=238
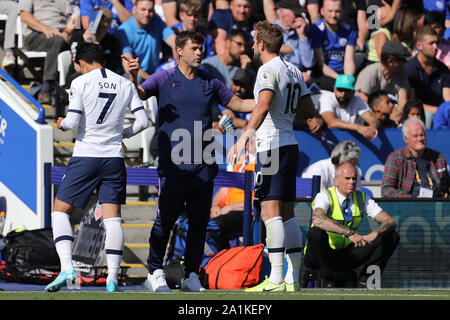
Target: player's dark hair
x=90, y=52
x=183, y=37
x=270, y=34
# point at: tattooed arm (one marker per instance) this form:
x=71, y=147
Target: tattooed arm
x=386, y=224
x=385, y=221
x=321, y=221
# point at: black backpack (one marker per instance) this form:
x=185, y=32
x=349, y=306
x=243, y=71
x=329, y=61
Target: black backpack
x=29, y=256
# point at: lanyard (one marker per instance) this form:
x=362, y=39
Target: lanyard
x=429, y=179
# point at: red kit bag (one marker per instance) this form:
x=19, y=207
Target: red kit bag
x=235, y=268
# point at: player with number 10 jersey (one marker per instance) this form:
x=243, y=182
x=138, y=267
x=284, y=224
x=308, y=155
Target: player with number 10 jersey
x=286, y=82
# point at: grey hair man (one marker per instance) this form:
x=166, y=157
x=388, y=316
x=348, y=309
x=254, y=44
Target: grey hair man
x=345, y=151
x=415, y=171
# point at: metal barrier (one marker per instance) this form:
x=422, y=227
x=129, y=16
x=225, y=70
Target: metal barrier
x=149, y=177
x=26, y=94
x=306, y=188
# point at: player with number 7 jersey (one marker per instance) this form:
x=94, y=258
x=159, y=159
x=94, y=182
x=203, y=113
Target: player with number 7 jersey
x=101, y=98
x=98, y=101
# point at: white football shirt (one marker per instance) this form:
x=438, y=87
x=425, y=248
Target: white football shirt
x=352, y=113
x=101, y=98
x=287, y=83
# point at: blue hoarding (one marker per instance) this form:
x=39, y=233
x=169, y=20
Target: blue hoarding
x=18, y=155
x=373, y=152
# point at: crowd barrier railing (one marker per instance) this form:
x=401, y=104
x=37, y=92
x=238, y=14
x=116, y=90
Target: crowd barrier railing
x=149, y=177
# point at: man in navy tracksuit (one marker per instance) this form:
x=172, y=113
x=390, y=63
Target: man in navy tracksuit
x=185, y=96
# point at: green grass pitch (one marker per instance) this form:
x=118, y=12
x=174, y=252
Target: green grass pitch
x=235, y=295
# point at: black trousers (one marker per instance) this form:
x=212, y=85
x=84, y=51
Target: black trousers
x=37, y=41
x=319, y=254
x=176, y=195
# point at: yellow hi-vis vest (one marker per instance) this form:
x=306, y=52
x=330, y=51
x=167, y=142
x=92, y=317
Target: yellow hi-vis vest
x=334, y=212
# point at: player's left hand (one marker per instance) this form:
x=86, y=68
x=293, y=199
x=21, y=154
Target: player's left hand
x=58, y=123
x=133, y=65
x=236, y=150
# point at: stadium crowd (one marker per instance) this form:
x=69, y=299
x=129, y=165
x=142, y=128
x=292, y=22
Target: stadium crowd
x=402, y=48
x=391, y=57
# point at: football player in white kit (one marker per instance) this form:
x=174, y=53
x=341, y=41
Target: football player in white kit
x=98, y=101
x=281, y=95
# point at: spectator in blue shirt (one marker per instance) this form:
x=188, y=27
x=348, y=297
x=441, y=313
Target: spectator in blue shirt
x=429, y=77
x=296, y=48
x=447, y=34
x=190, y=11
x=441, y=119
x=121, y=10
x=142, y=35
x=222, y=21
x=355, y=13
x=334, y=43
x=442, y=6
x=223, y=66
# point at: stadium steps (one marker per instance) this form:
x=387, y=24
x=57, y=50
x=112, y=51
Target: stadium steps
x=138, y=218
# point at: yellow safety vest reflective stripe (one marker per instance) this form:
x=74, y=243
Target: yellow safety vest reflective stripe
x=334, y=212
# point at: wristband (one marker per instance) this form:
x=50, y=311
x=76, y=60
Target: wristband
x=349, y=233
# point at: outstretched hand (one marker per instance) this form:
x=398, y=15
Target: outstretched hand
x=236, y=150
x=133, y=65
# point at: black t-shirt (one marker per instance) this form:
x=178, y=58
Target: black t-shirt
x=423, y=169
x=350, y=10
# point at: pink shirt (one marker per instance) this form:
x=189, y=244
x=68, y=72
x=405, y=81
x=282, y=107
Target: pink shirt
x=443, y=53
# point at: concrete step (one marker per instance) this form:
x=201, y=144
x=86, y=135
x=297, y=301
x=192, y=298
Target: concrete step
x=136, y=270
x=137, y=233
x=136, y=211
x=135, y=253
x=137, y=224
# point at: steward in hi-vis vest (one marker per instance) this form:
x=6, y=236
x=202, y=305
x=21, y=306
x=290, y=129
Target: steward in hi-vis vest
x=334, y=212
x=334, y=246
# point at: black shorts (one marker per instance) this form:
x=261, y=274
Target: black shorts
x=275, y=174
